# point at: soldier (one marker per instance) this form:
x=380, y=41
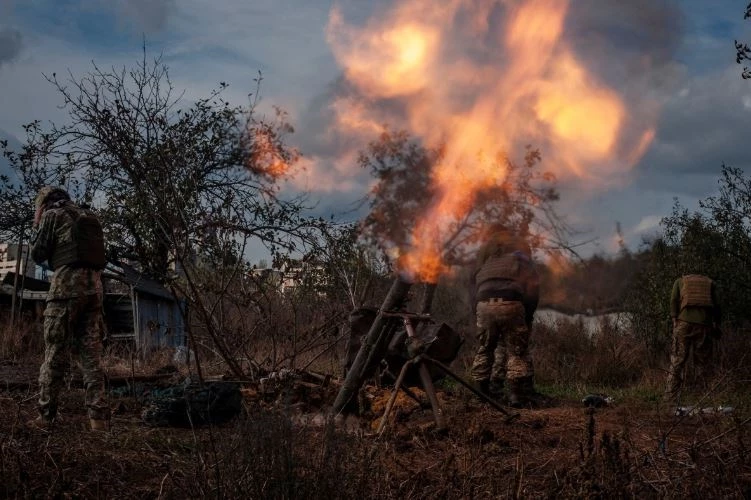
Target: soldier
x=69, y=238
x=696, y=318
x=506, y=292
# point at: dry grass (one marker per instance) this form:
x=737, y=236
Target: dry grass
x=635, y=448
x=23, y=341
x=628, y=451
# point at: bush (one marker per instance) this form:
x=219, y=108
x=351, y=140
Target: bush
x=22, y=341
x=565, y=354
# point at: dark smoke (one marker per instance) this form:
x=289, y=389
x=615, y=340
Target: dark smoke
x=11, y=43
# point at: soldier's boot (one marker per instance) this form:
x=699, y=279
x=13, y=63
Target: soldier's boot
x=41, y=424
x=99, y=424
x=483, y=386
x=495, y=389
x=522, y=393
x=99, y=419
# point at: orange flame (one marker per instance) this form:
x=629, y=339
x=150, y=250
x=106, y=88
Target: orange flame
x=267, y=156
x=529, y=87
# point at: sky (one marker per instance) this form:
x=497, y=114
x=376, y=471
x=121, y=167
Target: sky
x=690, y=92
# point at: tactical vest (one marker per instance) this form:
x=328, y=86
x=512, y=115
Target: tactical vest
x=696, y=291
x=501, y=267
x=80, y=243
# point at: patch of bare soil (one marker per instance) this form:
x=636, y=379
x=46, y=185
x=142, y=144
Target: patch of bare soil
x=18, y=375
x=278, y=449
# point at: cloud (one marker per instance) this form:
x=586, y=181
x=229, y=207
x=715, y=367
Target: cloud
x=11, y=43
x=702, y=126
x=27, y=96
x=149, y=15
x=14, y=145
x=672, y=56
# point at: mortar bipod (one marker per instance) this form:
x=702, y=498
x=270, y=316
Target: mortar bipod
x=416, y=349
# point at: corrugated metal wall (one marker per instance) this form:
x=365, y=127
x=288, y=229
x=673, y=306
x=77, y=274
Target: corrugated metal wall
x=160, y=323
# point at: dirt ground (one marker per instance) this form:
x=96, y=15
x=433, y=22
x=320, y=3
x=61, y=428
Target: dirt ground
x=280, y=447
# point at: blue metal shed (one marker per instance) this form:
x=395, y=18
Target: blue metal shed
x=141, y=310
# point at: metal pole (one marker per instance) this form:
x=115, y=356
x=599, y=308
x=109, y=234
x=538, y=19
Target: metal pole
x=469, y=386
x=427, y=383
x=12, y=321
x=353, y=381
x=392, y=399
x=428, y=292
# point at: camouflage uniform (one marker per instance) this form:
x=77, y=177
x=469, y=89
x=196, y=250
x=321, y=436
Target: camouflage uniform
x=696, y=314
x=72, y=318
x=504, y=338
x=506, y=290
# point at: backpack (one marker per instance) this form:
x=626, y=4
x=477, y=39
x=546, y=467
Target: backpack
x=509, y=268
x=83, y=246
x=696, y=291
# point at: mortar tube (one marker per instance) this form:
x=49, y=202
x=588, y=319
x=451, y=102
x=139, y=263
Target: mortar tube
x=428, y=292
x=353, y=381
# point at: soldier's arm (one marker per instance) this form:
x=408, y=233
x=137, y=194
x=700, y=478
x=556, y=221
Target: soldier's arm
x=675, y=299
x=532, y=295
x=42, y=243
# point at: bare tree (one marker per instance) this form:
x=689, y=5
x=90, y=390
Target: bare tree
x=353, y=269
x=181, y=186
x=522, y=198
x=742, y=50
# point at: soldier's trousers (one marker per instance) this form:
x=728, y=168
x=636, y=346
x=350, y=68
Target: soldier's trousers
x=688, y=339
x=72, y=327
x=504, y=342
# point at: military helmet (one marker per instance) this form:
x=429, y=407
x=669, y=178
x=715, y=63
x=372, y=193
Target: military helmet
x=50, y=192
x=508, y=241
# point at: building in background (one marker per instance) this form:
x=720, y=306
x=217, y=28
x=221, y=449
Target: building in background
x=14, y=261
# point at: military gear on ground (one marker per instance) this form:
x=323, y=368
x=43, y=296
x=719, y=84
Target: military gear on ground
x=596, y=400
x=191, y=405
